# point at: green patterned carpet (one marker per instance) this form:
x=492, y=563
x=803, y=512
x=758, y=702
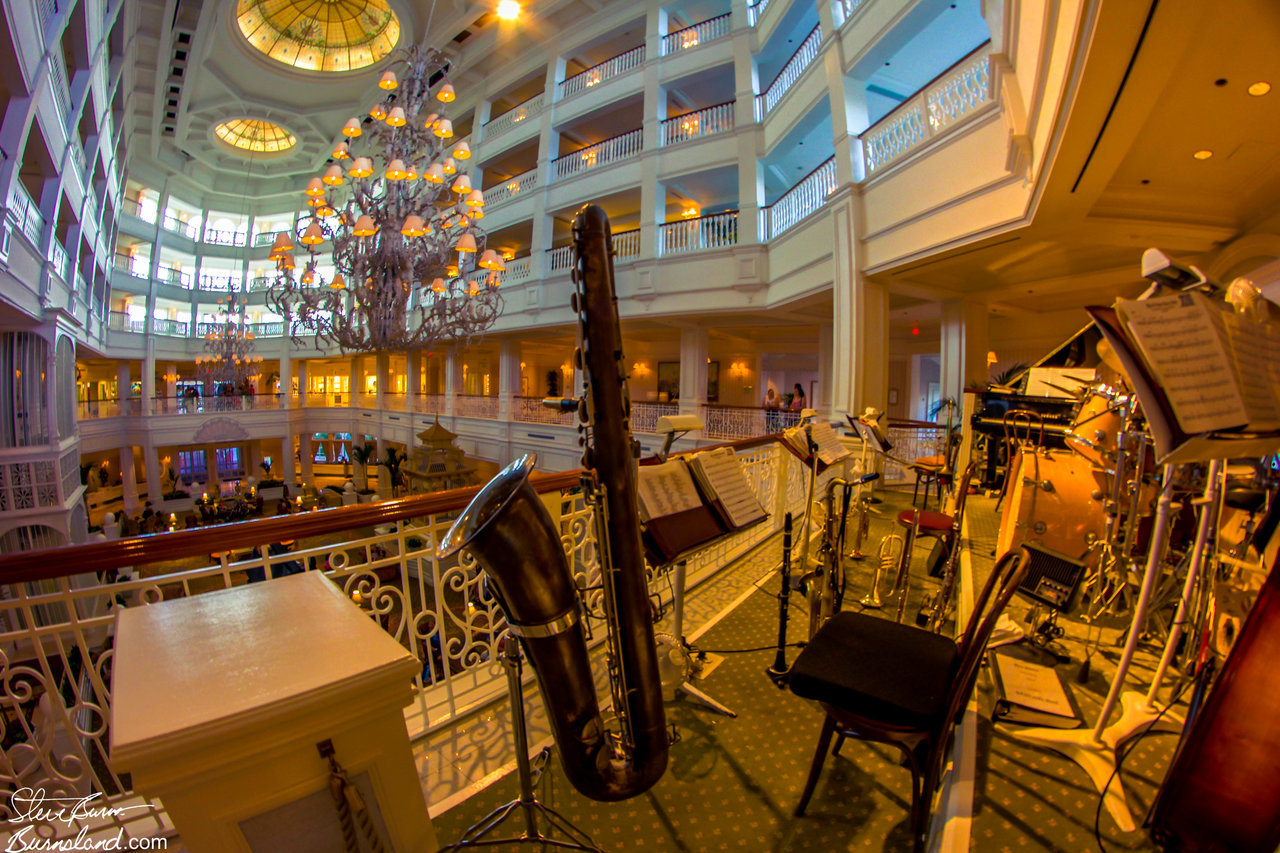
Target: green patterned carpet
x=731, y=784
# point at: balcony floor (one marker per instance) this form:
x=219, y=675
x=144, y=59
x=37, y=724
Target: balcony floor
x=731, y=784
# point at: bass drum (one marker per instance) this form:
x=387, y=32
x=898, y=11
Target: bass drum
x=1094, y=430
x=1055, y=500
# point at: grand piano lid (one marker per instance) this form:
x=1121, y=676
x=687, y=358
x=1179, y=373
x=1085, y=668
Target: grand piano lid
x=1079, y=350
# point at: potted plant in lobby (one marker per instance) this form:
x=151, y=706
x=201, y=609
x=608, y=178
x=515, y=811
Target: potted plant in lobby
x=361, y=456
x=270, y=488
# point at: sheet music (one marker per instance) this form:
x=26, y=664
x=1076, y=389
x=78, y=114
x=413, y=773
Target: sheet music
x=666, y=489
x=1033, y=686
x=829, y=447
x=1256, y=347
x=1182, y=341
x=719, y=471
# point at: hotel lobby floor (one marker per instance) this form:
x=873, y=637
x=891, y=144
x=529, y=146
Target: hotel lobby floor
x=732, y=783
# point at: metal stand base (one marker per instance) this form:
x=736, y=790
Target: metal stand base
x=1095, y=757
x=694, y=693
x=677, y=618
x=527, y=804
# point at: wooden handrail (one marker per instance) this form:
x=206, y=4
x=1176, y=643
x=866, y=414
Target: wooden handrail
x=49, y=563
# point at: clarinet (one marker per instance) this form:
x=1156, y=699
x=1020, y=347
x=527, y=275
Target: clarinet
x=778, y=672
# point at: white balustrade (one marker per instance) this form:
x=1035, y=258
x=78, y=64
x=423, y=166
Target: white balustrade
x=518, y=270
x=561, y=258
x=799, y=201
x=513, y=117
x=601, y=154
x=439, y=609
x=121, y=322
x=755, y=10
x=222, y=237
x=512, y=188
x=790, y=73
x=644, y=416
x=529, y=410
x=221, y=283
x=170, y=328
x=954, y=94
x=429, y=404
x=698, y=34
x=59, y=260
x=717, y=231
x=25, y=212
x=699, y=123
x=475, y=406
x=597, y=74
x=849, y=7
x=626, y=244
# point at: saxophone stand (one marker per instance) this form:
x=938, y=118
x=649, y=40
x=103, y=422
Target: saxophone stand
x=677, y=628
x=527, y=804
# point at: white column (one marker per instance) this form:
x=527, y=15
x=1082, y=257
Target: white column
x=151, y=459
x=356, y=378
x=123, y=381
x=381, y=369
x=306, y=453
x=412, y=379
x=963, y=350
x=288, y=471
x=129, y=480
x=452, y=378
x=508, y=378
x=301, y=369
x=149, y=377
x=286, y=376
x=860, y=342
x=821, y=401
x=693, y=369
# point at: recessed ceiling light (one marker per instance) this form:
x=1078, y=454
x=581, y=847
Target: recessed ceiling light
x=1260, y=88
x=1203, y=154
x=508, y=10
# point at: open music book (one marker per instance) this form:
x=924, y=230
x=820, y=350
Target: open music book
x=688, y=501
x=1208, y=378
x=830, y=450
x=1031, y=693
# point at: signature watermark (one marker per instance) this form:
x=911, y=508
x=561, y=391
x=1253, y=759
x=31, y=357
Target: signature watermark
x=32, y=807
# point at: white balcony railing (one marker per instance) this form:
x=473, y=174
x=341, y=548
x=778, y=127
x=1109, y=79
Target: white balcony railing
x=626, y=244
x=529, y=410
x=441, y=610
x=755, y=10
x=170, y=328
x=509, y=189
x=475, y=406
x=959, y=91
x=731, y=423
x=222, y=237
x=119, y=321
x=699, y=34
x=221, y=283
x=789, y=74
x=849, y=7
x=177, y=225
x=519, y=269
x=799, y=201
x=644, y=416
x=561, y=258
x=513, y=117
x=597, y=74
x=601, y=154
x=25, y=213
x=699, y=123
x=176, y=277
x=717, y=231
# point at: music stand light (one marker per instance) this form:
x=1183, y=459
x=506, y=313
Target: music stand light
x=673, y=427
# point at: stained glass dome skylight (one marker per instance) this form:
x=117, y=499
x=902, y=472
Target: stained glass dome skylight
x=320, y=35
x=255, y=135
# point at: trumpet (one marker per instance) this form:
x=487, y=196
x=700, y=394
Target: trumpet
x=890, y=554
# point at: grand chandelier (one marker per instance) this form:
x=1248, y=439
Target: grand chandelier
x=410, y=267
x=229, y=358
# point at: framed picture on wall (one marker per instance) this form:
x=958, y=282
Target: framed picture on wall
x=713, y=381
x=893, y=396
x=668, y=381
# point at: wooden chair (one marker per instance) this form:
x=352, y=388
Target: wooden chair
x=937, y=471
x=889, y=683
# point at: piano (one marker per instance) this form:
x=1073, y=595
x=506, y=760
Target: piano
x=1056, y=412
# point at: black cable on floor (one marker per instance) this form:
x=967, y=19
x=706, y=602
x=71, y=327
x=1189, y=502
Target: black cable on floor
x=772, y=648
x=1132, y=742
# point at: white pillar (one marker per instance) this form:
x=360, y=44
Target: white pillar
x=123, y=381
x=306, y=454
x=356, y=377
x=963, y=347
x=860, y=342
x=129, y=480
x=301, y=369
x=381, y=369
x=151, y=459
x=693, y=369
x=412, y=379
x=452, y=378
x=286, y=376
x=821, y=401
x=288, y=471
x=508, y=378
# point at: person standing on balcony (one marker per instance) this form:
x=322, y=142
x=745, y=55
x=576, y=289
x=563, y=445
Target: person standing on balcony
x=797, y=399
x=772, y=403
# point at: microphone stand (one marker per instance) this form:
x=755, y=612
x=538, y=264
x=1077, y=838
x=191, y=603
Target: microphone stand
x=778, y=672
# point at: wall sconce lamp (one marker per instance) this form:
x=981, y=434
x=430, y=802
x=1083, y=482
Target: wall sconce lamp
x=640, y=368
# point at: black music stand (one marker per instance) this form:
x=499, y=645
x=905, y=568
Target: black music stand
x=527, y=803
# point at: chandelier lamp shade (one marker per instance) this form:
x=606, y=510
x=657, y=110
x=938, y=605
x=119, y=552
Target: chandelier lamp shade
x=399, y=221
x=229, y=358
